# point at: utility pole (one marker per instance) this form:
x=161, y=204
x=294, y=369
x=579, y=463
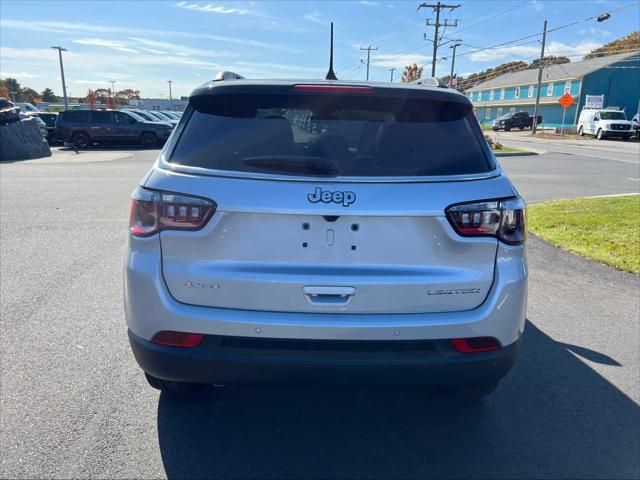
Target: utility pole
x=368, y=49
x=534, y=125
x=13, y=96
x=113, y=92
x=170, y=97
x=392, y=70
x=436, y=8
x=64, y=85
x=453, y=59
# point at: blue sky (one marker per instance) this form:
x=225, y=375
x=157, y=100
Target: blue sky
x=142, y=44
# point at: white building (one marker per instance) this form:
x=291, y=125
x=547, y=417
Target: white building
x=178, y=104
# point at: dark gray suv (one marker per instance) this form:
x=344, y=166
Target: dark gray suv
x=84, y=128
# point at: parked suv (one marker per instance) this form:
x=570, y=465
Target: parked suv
x=83, y=128
x=519, y=120
x=604, y=123
x=387, y=247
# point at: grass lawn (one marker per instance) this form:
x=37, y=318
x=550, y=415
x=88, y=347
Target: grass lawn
x=606, y=230
x=508, y=150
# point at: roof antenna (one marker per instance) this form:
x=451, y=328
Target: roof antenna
x=330, y=74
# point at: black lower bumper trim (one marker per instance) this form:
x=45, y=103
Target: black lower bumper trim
x=239, y=360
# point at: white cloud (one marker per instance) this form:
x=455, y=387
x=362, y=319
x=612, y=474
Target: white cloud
x=166, y=47
x=398, y=60
x=68, y=28
x=4, y=74
x=368, y=3
x=595, y=32
x=530, y=52
x=91, y=82
x=98, y=42
x=537, y=5
x=210, y=8
x=316, y=17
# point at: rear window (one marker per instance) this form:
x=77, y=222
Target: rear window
x=76, y=116
x=332, y=135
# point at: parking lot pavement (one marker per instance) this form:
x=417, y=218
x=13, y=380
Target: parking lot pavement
x=73, y=402
x=585, y=147
x=560, y=175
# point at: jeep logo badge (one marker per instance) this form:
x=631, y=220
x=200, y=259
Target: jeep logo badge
x=345, y=198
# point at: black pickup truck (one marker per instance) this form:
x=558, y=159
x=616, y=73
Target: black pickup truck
x=520, y=120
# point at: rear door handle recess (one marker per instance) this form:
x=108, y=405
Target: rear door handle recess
x=329, y=296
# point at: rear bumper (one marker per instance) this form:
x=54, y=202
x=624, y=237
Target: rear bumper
x=150, y=308
x=239, y=360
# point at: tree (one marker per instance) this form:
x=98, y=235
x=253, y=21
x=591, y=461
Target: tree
x=123, y=96
x=4, y=92
x=30, y=95
x=625, y=44
x=411, y=73
x=13, y=87
x=90, y=99
x=48, y=96
x=549, y=60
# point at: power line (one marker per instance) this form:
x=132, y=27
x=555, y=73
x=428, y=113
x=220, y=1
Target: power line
x=576, y=22
x=368, y=49
x=436, y=8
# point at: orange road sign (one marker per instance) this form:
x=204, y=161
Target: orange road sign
x=566, y=101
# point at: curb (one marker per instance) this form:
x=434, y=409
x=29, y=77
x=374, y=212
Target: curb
x=516, y=154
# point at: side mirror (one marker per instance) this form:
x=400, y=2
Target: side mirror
x=596, y=119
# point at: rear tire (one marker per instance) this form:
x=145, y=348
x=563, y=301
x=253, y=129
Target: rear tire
x=149, y=139
x=581, y=132
x=521, y=128
x=600, y=134
x=80, y=140
x=476, y=391
x=169, y=386
x=507, y=129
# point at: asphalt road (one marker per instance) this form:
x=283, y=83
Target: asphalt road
x=73, y=403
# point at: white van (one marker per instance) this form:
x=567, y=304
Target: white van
x=604, y=123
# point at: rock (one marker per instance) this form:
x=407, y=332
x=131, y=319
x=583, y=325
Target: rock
x=22, y=140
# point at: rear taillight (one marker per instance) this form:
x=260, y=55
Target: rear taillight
x=503, y=219
x=153, y=211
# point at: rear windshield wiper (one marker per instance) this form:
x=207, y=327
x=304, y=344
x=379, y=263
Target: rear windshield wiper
x=295, y=163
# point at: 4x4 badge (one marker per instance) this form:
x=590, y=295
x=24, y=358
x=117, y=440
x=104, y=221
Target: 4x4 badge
x=345, y=198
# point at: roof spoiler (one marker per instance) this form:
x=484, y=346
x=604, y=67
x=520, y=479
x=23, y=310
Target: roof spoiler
x=429, y=82
x=227, y=75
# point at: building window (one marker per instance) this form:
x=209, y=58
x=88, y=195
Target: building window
x=550, y=90
x=530, y=92
x=499, y=112
x=502, y=94
x=517, y=94
x=491, y=94
x=487, y=114
x=567, y=86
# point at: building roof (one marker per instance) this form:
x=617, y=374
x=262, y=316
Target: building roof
x=553, y=72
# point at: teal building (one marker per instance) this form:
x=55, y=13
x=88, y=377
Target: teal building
x=615, y=77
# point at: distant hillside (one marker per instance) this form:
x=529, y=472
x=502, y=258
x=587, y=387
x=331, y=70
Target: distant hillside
x=624, y=44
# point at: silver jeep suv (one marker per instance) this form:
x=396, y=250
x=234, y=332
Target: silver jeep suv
x=324, y=231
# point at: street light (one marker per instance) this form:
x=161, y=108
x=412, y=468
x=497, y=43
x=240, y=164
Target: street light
x=453, y=59
x=170, y=97
x=64, y=85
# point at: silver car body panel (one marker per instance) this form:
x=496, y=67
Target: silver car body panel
x=150, y=308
